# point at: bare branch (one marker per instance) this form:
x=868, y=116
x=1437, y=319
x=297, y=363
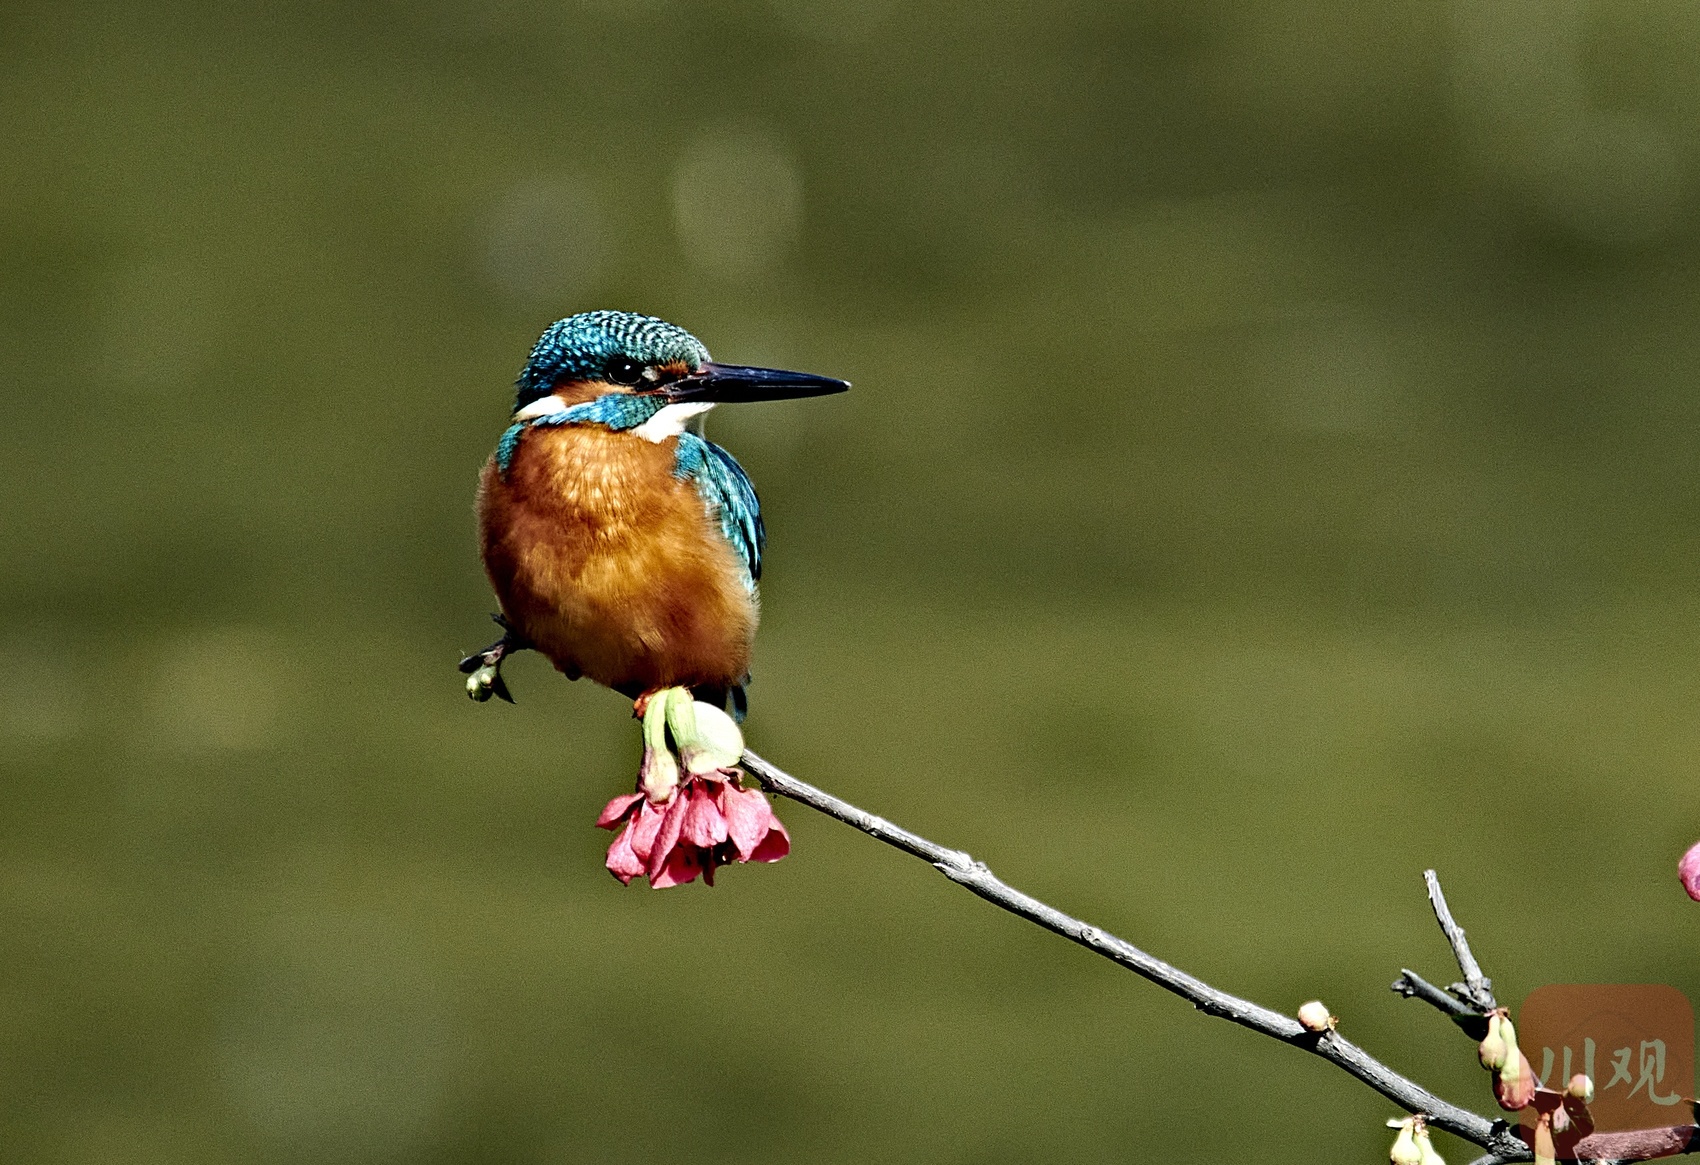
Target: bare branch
x=1503, y=1146
x=961, y=868
x=1476, y=989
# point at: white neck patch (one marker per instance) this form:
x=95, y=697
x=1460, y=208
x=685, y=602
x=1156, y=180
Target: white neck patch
x=671, y=421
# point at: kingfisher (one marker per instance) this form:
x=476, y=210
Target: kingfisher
x=621, y=543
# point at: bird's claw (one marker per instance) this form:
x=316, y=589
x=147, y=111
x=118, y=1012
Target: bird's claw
x=483, y=669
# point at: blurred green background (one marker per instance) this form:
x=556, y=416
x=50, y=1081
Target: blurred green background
x=1272, y=470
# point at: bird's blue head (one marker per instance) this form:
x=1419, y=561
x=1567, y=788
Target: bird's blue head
x=613, y=348
x=620, y=369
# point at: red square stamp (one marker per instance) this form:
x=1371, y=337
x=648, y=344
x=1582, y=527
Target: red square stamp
x=1634, y=1041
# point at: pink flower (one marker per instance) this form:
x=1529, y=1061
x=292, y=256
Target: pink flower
x=707, y=821
x=1688, y=869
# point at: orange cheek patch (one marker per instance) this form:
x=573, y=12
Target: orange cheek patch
x=577, y=392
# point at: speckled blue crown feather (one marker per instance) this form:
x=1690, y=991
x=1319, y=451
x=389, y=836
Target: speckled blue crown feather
x=582, y=347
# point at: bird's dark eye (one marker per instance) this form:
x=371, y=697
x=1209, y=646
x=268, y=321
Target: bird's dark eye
x=624, y=372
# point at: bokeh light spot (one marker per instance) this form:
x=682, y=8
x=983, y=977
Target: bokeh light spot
x=546, y=239
x=737, y=202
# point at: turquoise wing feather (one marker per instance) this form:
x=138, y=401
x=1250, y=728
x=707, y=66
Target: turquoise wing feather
x=727, y=492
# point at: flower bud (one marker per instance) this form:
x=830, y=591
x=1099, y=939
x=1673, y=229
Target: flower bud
x=1492, y=1052
x=718, y=744
x=655, y=721
x=658, y=777
x=680, y=711
x=1315, y=1017
x=1405, y=1150
x=1425, y=1147
x=1577, y=1094
x=1507, y=1032
x=1514, y=1087
x=1688, y=869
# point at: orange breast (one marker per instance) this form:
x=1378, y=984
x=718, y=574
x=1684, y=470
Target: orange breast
x=611, y=566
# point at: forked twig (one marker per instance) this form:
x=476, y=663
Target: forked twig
x=1476, y=989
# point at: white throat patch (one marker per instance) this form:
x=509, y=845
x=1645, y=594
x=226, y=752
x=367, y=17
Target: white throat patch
x=671, y=421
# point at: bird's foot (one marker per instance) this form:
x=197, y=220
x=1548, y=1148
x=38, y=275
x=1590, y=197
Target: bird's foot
x=689, y=815
x=483, y=669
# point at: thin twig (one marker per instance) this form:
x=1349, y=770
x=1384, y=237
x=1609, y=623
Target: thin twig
x=959, y=867
x=1477, y=988
x=1413, y=986
x=1502, y=1145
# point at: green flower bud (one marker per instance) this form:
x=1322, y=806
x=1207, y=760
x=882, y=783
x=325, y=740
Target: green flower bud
x=718, y=744
x=1508, y=1034
x=1515, y=1088
x=659, y=775
x=1492, y=1052
x=1405, y=1150
x=1425, y=1147
x=680, y=711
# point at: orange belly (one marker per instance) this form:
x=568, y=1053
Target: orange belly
x=611, y=566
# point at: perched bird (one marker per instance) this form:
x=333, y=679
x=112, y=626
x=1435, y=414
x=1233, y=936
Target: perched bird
x=620, y=543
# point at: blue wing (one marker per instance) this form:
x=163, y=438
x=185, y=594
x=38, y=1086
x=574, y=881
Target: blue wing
x=727, y=492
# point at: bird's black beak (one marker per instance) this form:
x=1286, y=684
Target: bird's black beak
x=732, y=382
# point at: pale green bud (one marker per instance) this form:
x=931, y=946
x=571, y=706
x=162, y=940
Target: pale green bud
x=1492, y=1052
x=659, y=775
x=1425, y=1148
x=718, y=743
x=1405, y=1150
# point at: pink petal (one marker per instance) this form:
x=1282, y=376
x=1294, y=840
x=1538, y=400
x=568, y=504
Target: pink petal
x=1688, y=869
x=622, y=862
x=682, y=866
x=616, y=810
x=668, y=836
x=775, y=845
x=748, y=817
x=704, y=826
x=645, y=826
